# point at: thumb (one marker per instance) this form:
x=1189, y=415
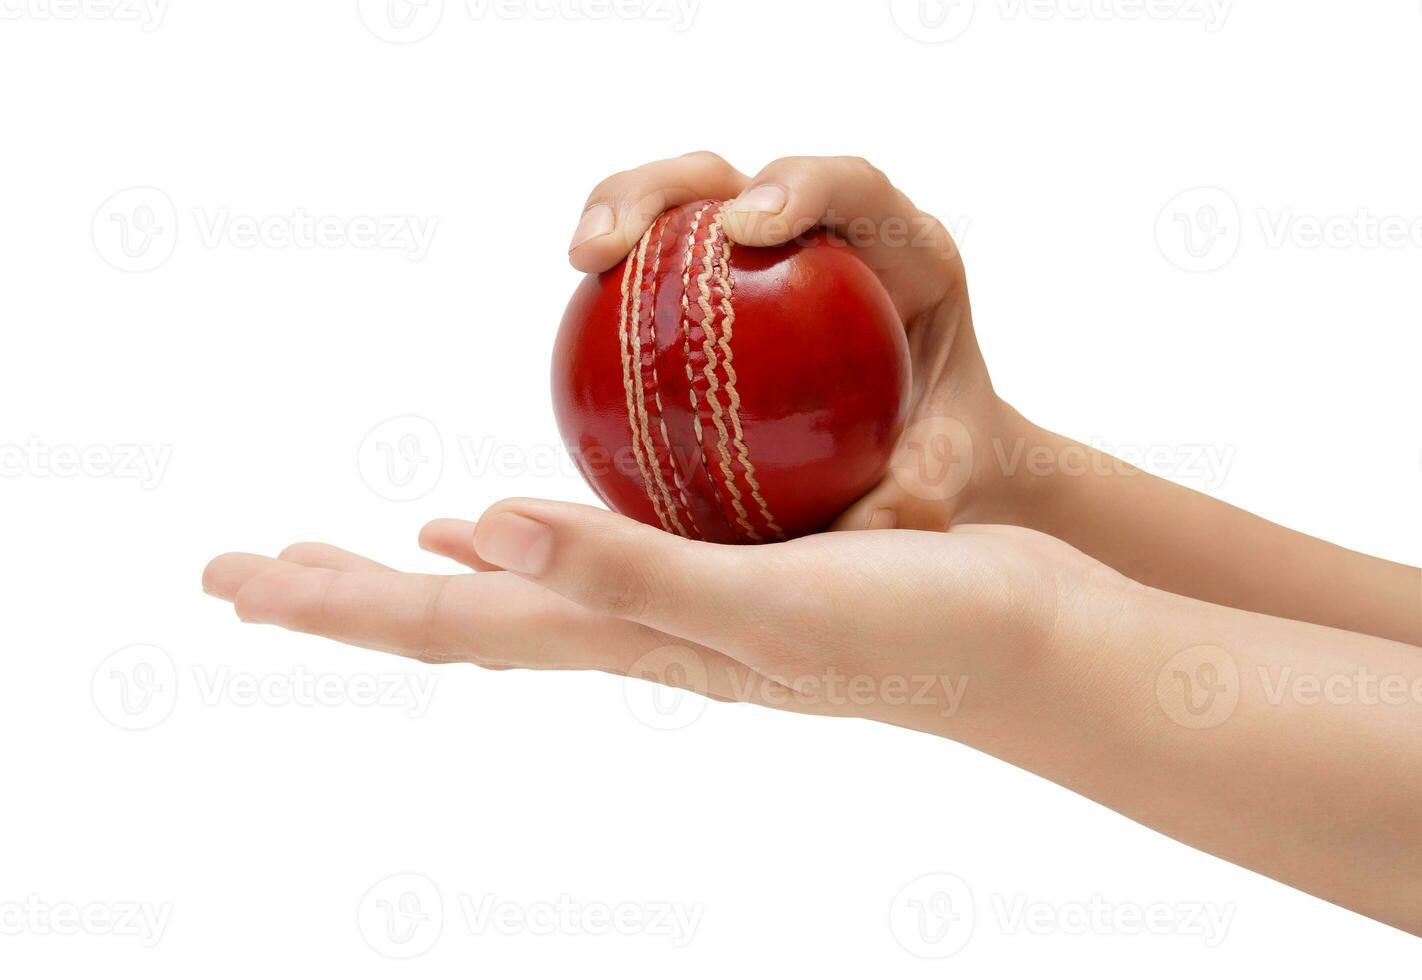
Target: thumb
x=888, y=506
x=614, y=565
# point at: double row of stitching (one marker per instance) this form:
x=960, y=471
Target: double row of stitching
x=733, y=398
x=653, y=427
x=646, y=416
x=656, y=457
x=709, y=342
x=630, y=341
x=686, y=267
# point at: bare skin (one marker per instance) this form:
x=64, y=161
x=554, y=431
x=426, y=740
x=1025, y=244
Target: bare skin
x=1244, y=688
x=1150, y=529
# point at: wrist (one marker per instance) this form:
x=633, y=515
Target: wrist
x=1014, y=473
x=1042, y=480
x=1089, y=684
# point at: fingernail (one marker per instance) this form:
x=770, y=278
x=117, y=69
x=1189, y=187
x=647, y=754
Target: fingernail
x=515, y=543
x=766, y=199
x=883, y=519
x=597, y=221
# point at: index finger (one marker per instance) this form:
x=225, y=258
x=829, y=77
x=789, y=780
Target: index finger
x=621, y=209
x=909, y=249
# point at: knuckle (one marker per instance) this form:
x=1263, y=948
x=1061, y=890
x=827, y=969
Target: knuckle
x=626, y=591
x=432, y=643
x=793, y=169
x=864, y=169
x=607, y=189
x=937, y=236
x=706, y=158
x=643, y=210
x=318, y=608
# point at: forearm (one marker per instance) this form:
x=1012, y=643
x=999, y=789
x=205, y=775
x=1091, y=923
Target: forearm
x=1288, y=748
x=1173, y=538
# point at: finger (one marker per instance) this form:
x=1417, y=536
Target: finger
x=511, y=623
x=453, y=539
x=494, y=620
x=225, y=574
x=419, y=616
x=889, y=507
x=319, y=555
x=720, y=596
x=852, y=198
x=621, y=209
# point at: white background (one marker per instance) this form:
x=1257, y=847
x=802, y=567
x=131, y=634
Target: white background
x=1050, y=137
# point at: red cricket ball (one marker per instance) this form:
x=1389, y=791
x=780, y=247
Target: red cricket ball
x=728, y=393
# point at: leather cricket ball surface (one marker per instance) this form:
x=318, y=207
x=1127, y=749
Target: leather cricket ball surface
x=728, y=393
